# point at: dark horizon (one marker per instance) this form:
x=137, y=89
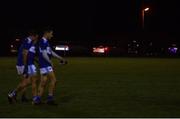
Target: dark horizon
x=89, y=20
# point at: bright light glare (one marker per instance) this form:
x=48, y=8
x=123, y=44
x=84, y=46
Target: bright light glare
x=146, y=9
x=106, y=48
x=100, y=49
x=62, y=48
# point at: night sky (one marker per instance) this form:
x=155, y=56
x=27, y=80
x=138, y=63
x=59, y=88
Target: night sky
x=87, y=19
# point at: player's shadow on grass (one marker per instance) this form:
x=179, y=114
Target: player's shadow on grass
x=66, y=99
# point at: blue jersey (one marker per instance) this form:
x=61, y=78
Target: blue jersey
x=31, y=54
x=44, y=45
x=24, y=46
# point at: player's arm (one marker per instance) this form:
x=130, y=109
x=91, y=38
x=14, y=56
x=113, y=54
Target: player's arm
x=57, y=56
x=26, y=46
x=25, y=53
x=46, y=57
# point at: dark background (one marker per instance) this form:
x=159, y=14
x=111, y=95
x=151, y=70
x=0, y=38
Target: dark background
x=89, y=21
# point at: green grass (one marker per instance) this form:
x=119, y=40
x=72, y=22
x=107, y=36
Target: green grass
x=102, y=87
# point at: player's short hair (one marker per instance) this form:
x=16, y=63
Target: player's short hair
x=47, y=30
x=33, y=32
x=44, y=30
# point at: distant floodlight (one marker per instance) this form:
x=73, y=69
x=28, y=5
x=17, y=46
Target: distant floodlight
x=62, y=48
x=134, y=41
x=146, y=9
x=100, y=49
x=17, y=40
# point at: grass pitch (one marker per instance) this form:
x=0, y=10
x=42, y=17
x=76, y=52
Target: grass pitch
x=102, y=87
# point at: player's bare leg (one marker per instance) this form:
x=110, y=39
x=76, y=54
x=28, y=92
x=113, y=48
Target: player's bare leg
x=41, y=88
x=23, y=97
x=20, y=88
x=24, y=86
x=42, y=85
x=34, y=90
x=52, y=85
x=34, y=85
